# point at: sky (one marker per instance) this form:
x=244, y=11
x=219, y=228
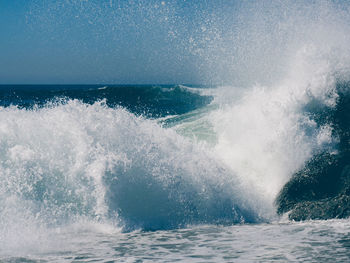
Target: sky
x=159, y=41
x=107, y=41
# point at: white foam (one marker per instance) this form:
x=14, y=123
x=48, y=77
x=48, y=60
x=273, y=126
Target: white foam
x=71, y=161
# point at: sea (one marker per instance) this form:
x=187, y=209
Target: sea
x=164, y=173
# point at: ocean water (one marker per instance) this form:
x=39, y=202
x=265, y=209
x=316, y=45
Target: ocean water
x=162, y=173
x=256, y=170
x=317, y=241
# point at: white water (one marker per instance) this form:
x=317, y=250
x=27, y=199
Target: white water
x=71, y=161
x=71, y=165
x=316, y=241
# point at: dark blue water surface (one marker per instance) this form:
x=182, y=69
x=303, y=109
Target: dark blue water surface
x=149, y=100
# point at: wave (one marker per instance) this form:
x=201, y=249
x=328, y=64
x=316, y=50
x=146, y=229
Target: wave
x=152, y=101
x=70, y=161
x=116, y=155
x=74, y=160
x=222, y=161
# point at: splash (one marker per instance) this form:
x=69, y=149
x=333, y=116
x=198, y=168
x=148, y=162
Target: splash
x=67, y=161
x=70, y=162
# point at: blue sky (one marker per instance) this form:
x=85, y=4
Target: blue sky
x=107, y=41
x=158, y=41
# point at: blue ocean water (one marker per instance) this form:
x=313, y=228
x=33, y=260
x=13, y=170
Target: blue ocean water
x=168, y=173
x=252, y=168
